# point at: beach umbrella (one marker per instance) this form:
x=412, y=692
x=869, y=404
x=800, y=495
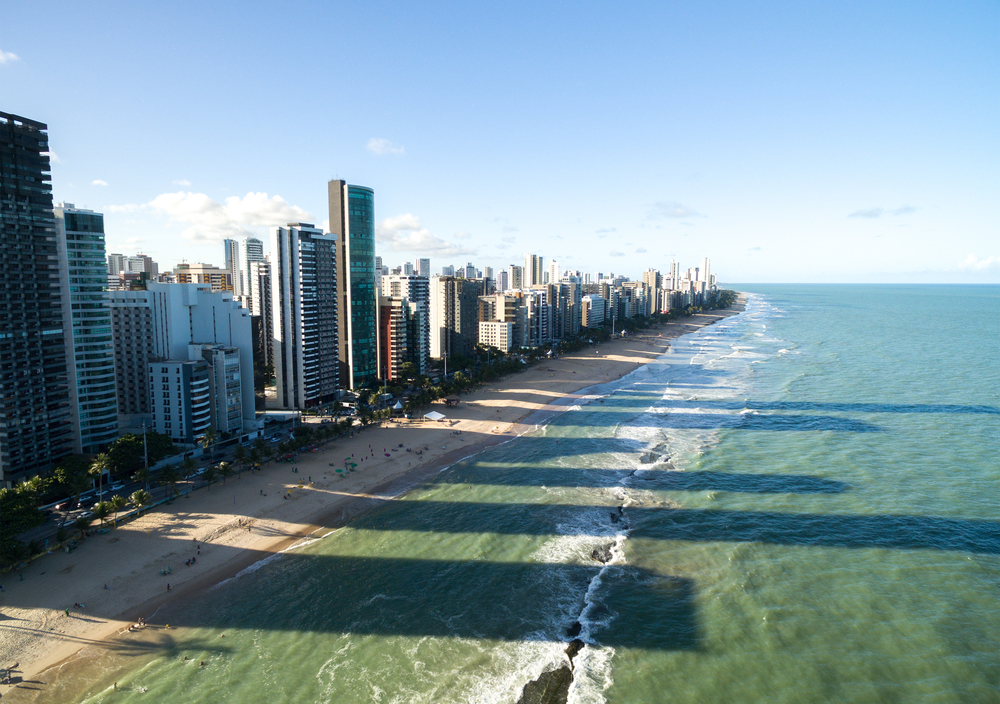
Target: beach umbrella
x=340, y=470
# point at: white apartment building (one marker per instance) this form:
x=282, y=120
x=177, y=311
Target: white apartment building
x=496, y=334
x=304, y=315
x=162, y=323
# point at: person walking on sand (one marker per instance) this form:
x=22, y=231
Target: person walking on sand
x=168, y=586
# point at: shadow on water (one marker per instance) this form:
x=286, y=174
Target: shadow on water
x=654, y=479
x=497, y=601
x=836, y=407
x=826, y=530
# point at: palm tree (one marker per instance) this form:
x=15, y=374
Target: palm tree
x=187, y=467
x=101, y=510
x=209, y=476
x=208, y=441
x=97, y=467
x=240, y=457
x=82, y=523
x=144, y=475
x=117, y=504
x=169, y=476
x=77, y=483
x=226, y=470
x=140, y=498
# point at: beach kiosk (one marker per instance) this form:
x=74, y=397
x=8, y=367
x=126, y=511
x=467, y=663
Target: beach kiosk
x=434, y=415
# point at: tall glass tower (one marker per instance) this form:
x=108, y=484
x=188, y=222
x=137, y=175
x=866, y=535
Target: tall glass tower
x=352, y=220
x=90, y=353
x=35, y=425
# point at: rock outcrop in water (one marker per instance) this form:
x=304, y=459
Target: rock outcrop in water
x=552, y=687
x=603, y=554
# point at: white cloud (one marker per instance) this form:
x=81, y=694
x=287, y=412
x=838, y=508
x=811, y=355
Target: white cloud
x=98, y=182
x=867, y=213
x=53, y=157
x=462, y=234
x=8, y=57
x=879, y=212
x=616, y=253
x=510, y=228
x=377, y=145
x=606, y=230
x=673, y=209
x=182, y=182
x=974, y=263
x=641, y=250
x=210, y=220
x=404, y=233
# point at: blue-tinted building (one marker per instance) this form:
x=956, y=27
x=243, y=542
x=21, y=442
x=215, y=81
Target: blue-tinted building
x=352, y=220
x=90, y=352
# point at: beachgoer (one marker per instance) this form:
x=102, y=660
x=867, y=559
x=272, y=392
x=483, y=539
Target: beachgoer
x=168, y=586
x=67, y=612
x=116, y=686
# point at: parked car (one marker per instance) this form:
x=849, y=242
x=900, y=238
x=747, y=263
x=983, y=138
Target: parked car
x=86, y=514
x=117, y=486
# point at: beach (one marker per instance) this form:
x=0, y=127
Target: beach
x=122, y=575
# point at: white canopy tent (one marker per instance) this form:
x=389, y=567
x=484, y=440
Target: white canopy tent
x=434, y=415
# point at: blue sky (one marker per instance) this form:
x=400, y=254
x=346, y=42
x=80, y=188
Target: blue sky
x=787, y=141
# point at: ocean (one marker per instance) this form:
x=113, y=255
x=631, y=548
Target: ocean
x=796, y=504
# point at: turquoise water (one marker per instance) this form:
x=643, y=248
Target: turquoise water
x=800, y=504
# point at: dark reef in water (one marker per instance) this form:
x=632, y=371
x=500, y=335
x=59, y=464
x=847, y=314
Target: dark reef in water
x=552, y=687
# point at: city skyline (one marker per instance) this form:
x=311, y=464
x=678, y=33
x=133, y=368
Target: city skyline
x=788, y=144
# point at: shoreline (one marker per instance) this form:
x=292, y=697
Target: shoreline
x=37, y=635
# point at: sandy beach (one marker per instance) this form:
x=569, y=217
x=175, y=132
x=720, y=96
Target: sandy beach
x=117, y=577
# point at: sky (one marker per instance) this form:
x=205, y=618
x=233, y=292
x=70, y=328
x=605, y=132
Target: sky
x=787, y=141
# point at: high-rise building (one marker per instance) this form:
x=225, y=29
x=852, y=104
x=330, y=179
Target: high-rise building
x=470, y=271
x=142, y=263
x=251, y=250
x=304, y=302
x=232, y=265
x=534, y=270
x=352, y=220
x=705, y=273
x=515, y=277
x=181, y=398
x=447, y=271
x=218, y=279
x=90, y=357
x=35, y=424
x=161, y=324
x=416, y=290
x=454, y=324
x=424, y=267
x=553, y=272
x=116, y=264
x=134, y=347
x=258, y=302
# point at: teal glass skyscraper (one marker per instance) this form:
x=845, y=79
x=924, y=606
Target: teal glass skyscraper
x=90, y=351
x=352, y=220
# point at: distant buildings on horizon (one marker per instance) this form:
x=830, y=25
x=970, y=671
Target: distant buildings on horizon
x=94, y=345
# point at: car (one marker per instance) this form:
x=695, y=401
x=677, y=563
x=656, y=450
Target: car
x=201, y=470
x=218, y=456
x=86, y=514
x=116, y=486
